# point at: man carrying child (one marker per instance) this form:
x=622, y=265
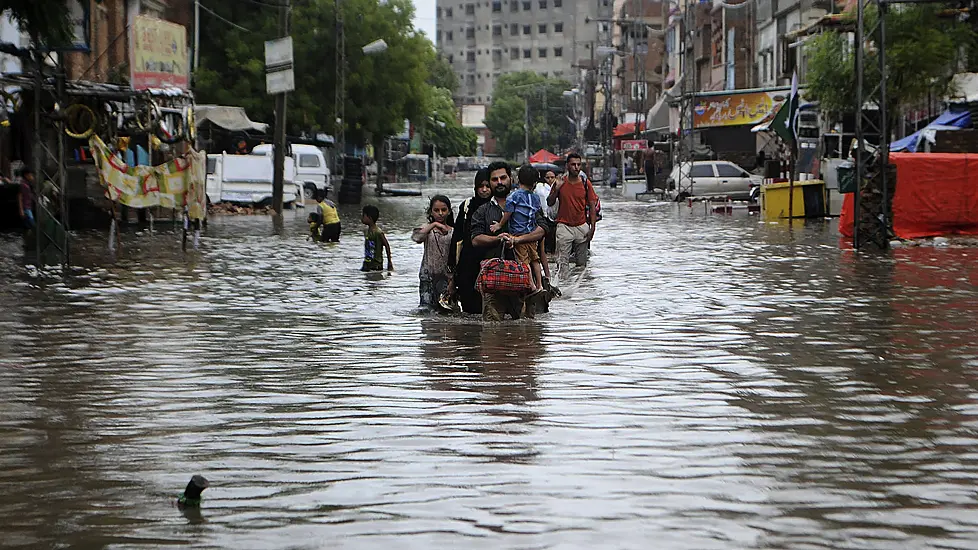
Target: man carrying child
x=520, y=213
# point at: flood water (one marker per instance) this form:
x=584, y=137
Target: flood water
x=710, y=381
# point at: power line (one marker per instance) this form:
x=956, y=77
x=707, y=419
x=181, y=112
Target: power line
x=212, y=12
x=268, y=3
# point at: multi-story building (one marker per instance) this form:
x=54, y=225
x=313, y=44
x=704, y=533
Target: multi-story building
x=484, y=40
x=641, y=66
x=776, y=58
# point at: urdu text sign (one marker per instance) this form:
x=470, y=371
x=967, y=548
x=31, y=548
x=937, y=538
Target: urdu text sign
x=735, y=109
x=159, y=54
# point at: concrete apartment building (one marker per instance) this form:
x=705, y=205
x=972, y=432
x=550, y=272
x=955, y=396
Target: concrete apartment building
x=485, y=39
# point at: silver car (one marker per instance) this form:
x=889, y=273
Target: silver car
x=711, y=179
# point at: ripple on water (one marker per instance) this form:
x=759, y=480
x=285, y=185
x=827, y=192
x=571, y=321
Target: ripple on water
x=708, y=382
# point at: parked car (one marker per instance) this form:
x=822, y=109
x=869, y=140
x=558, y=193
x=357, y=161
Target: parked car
x=310, y=166
x=711, y=179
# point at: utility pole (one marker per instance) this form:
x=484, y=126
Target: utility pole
x=196, y=35
x=278, y=180
x=526, y=127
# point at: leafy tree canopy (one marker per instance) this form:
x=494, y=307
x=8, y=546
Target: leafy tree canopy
x=381, y=90
x=46, y=21
x=442, y=128
x=923, y=50
x=549, y=109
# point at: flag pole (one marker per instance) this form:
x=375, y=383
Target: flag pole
x=790, y=122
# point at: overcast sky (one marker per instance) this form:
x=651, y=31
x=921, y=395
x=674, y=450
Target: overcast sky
x=424, y=17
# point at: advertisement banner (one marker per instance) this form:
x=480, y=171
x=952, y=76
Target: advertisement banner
x=736, y=109
x=159, y=54
x=634, y=144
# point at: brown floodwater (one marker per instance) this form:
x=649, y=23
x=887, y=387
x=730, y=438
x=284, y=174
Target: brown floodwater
x=710, y=381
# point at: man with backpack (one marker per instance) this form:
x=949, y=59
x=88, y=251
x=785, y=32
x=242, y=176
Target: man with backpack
x=577, y=213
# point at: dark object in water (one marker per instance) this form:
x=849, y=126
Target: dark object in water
x=401, y=193
x=190, y=497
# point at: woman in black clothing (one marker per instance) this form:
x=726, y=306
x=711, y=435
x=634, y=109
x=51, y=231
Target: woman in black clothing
x=465, y=260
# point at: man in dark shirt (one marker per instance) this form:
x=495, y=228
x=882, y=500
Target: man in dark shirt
x=496, y=305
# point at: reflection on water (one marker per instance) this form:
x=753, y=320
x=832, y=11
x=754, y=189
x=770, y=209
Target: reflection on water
x=713, y=382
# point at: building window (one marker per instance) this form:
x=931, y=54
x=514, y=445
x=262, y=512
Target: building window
x=470, y=33
x=449, y=35
x=497, y=55
x=514, y=53
x=526, y=5
x=558, y=3
x=542, y=28
x=497, y=30
x=470, y=56
x=514, y=30
x=559, y=26
x=438, y=36
x=542, y=53
x=526, y=29
x=448, y=13
x=497, y=6
x=514, y=5
x=470, y=9
x=451, y=58
x=558, y=52
x=543, y=4
x=526, y=53
x=438, y=13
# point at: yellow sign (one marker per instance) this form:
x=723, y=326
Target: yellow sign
x=735, y=109
x=159, y=54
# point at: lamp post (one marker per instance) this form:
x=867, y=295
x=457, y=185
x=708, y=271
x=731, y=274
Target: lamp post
x=575, y=93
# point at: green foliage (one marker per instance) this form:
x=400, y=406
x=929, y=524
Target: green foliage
x=923, y=50
x=831, y=74
x=443, y=76
x=452, y=139
x=548, y=111
x=381, y=90
x=46, y=21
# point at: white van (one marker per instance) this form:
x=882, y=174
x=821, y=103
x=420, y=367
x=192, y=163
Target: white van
x=246, y=179
x=310, y=166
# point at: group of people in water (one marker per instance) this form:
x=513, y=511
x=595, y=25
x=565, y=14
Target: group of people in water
x=540, y=217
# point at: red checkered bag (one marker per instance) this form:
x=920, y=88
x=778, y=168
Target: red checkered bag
x=499, y=275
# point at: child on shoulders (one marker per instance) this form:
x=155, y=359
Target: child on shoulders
x=520, y=215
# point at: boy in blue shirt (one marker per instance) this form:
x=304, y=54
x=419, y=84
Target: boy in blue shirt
x=520, y=214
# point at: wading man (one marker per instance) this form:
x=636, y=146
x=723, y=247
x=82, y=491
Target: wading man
x=494, y=244
x=576, y=214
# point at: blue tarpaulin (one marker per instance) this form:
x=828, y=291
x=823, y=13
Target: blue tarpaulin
x=947, y=120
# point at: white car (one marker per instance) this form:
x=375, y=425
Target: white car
x=310, y=166
x=711, y=179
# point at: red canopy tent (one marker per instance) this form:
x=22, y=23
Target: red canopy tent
x=542, y=156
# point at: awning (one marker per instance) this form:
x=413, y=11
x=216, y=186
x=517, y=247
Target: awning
x=229, y=118
x=627, y=128
x=946, y=121
x=542, y=156
x=657, y=119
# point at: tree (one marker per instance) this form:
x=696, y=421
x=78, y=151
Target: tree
x=443, y=76
x=923, y=49
x=443, y=130
x=548, y=112
x=44, y=21
x=381, y=90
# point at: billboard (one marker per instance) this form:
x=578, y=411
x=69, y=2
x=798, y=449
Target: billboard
x=736, y=109
x=158, y=51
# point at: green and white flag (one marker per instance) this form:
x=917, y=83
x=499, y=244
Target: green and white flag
x=790, y=121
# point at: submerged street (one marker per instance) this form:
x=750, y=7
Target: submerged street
x=710, y=381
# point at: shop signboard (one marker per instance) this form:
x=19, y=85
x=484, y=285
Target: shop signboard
x=159, y=54
x=634, y=144
x=736, y=109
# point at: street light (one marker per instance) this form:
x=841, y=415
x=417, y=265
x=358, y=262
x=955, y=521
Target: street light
x=375, y=47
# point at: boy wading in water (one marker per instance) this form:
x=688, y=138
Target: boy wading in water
x=520, y=214
x=373, y=240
